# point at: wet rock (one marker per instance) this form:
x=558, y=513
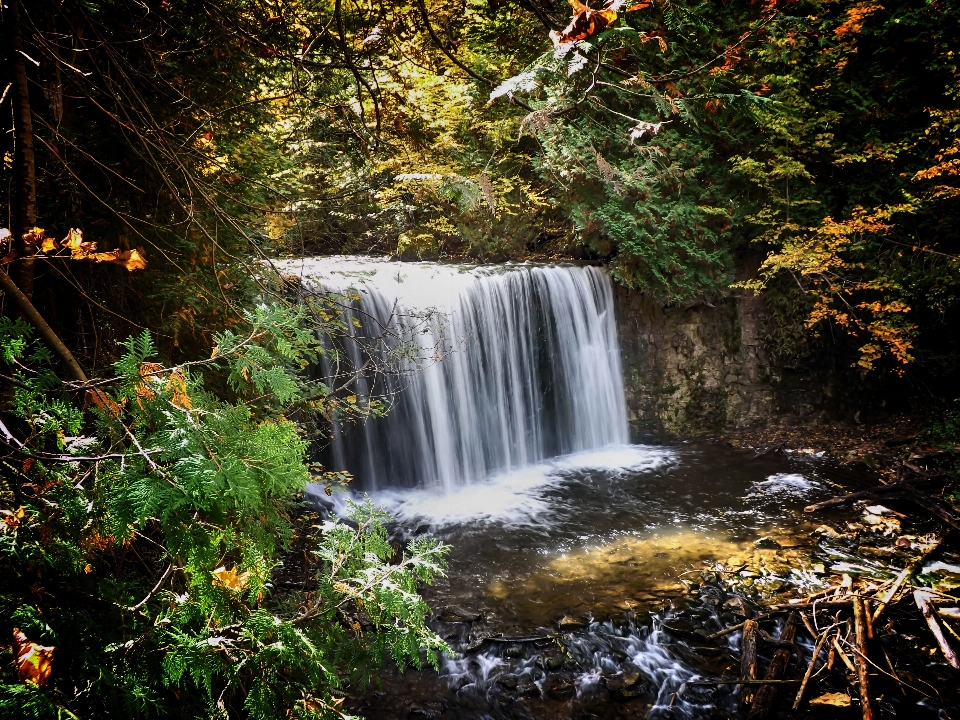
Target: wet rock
x=767, y=543
x=528, y=688
x=571, y=622
x=421, y=711
x=739, y=607
x=554, y=662
x=508, y=680
x=681, y=628
x=625, y=686
x=512, y=651
x=561, y=686
x=826, y=531
x=709, y=577
x=452, y=613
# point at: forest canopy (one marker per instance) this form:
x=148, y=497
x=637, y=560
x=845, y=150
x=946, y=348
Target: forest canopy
x=159, y=155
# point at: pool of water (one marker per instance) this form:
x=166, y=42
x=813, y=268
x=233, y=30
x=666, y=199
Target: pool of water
x=583, y=558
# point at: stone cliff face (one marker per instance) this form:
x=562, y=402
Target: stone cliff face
x=694, y=369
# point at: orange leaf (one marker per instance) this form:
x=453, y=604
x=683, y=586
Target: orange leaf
x=12, y=518
x=34, y=662
x=177, y=385
x=230, y=579
x=585, y=23
x=103, y=401
x=48, y=245
x=34, y=237
x=131, y=260
x=638, y=6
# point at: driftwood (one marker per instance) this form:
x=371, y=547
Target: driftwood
x=863, y=675
x=907, y=572
x=748, y=660
x=923, y=602
x=766, y=695
x=840, y=500
x=813, y=661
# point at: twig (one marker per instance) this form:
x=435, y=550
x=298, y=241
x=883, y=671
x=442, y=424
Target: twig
x=748, y=660
x=813, y=661
x=149, y=597
x=922, y=600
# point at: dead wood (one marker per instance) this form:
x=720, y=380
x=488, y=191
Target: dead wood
x=766, y=695
x=863, y=675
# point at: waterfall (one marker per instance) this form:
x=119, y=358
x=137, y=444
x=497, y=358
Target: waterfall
x=485, y=369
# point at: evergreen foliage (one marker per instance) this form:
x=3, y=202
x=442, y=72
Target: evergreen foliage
x=144, y=535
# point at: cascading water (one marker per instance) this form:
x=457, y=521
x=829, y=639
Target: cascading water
x=487, y=370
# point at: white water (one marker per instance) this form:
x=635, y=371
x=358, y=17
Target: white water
x=489, y=370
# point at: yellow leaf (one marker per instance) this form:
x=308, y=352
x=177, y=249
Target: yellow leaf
x=352, y=399
x=230, y=579
x=831, y=700
x=49, y=245
x=73, y=240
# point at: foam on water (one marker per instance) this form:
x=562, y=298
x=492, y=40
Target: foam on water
x=785, y=484
x=517, y=497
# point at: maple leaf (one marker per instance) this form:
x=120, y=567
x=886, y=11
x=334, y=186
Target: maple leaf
x=131, y=260
x=230, y=579
x=34, y=662
x=585, y=23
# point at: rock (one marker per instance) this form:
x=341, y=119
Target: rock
x=528, y=688
x=738, y=606
x=826, y=531
x=767, y=543
x=561, y=687
x=681, y=628
x=569, y=622
x=508, y=680
x=452, y=613
x=555, y=662
x=512, y=651
x=425, y=710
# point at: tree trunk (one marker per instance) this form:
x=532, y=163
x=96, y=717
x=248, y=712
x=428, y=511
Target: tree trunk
x=25, y=177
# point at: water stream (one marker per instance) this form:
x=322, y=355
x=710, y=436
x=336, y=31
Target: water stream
x=507, y=439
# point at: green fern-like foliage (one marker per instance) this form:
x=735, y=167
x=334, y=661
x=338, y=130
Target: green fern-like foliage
x=149, y=560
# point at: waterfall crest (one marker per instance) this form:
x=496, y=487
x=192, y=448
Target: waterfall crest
x=486, y=369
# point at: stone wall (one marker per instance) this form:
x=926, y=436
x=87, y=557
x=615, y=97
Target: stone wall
x=694, y=369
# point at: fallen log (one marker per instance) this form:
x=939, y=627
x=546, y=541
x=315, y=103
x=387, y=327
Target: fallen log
x=767, y=694
x=863, y=674
x=841, y=500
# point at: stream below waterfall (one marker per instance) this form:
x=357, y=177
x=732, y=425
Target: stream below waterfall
x=585, y=556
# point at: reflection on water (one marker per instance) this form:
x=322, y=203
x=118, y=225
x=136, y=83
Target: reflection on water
x=609, y=530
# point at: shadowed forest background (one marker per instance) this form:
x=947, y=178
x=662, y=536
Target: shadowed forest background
x=158, y=423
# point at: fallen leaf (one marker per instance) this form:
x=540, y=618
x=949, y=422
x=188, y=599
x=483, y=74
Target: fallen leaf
x=831, y=700
x=230, y=579
x=34, y=662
